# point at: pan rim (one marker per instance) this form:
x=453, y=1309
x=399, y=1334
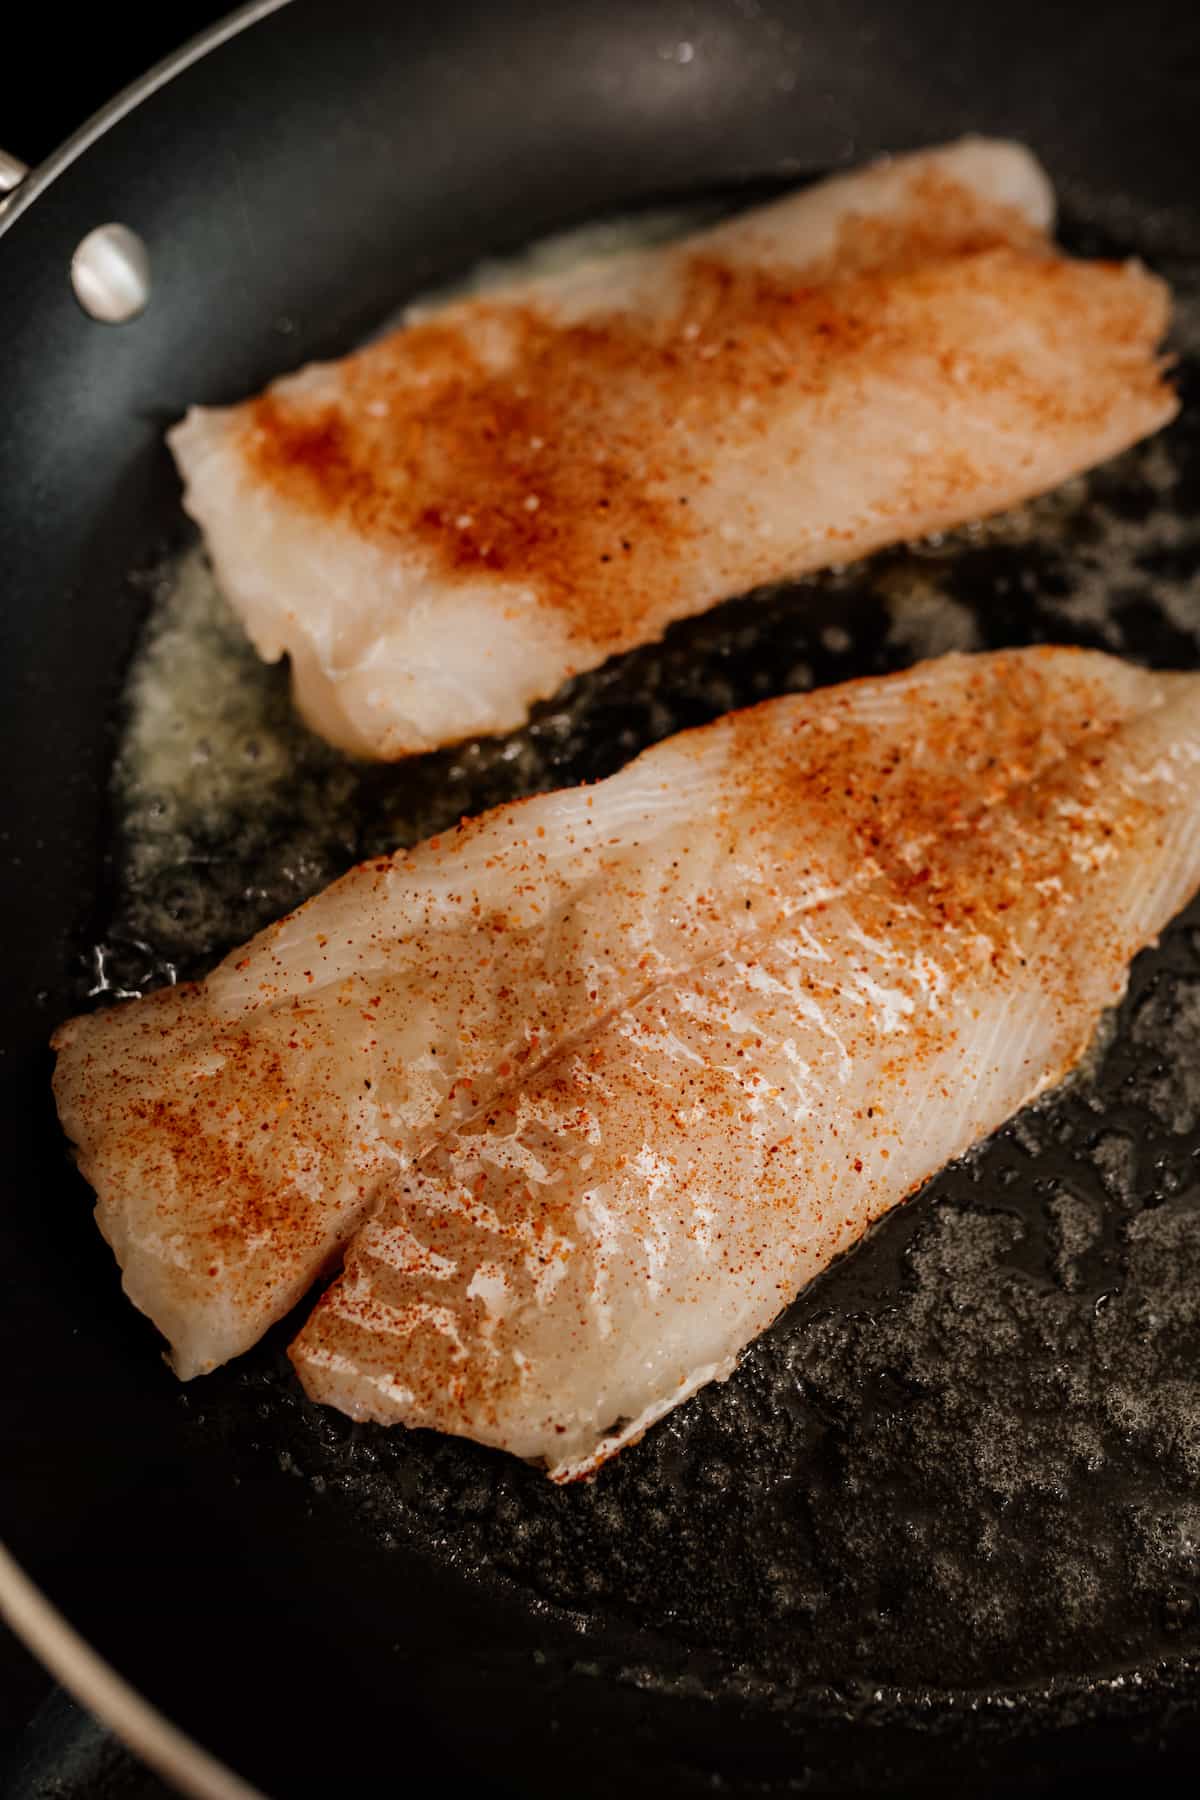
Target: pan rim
x=98, y=1687
x=23, y=1606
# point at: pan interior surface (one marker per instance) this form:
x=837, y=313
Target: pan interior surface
x=965, y=1461
x=941, y=1524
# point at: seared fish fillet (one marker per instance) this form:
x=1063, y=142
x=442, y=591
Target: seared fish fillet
x=442, y=528
x=616, y=1070
x=974, y=853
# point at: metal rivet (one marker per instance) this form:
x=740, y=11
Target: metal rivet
x=12, y=173
x=110, y=272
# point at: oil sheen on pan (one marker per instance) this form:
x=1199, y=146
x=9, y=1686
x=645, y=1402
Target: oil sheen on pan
x=440, y=530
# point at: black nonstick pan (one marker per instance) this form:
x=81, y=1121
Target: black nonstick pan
x=942, y=1528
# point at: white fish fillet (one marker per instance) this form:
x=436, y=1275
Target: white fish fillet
x=616, y=1070
x=442, y=528
x=601, y=1240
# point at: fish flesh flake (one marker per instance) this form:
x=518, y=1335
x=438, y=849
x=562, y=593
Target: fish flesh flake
x=587, y=1089
x=441, y=529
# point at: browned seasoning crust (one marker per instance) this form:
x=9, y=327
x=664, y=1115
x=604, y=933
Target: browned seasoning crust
x=571, y=458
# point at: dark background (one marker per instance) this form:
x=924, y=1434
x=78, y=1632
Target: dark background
x=70, y=61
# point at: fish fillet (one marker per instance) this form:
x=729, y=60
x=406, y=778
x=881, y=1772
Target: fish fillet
x=442, y=528
x=988, y=845
x=601, y=1078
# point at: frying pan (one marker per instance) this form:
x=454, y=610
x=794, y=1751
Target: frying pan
x=940, y=1529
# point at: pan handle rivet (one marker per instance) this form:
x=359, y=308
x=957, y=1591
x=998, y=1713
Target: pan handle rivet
x=110, y=272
